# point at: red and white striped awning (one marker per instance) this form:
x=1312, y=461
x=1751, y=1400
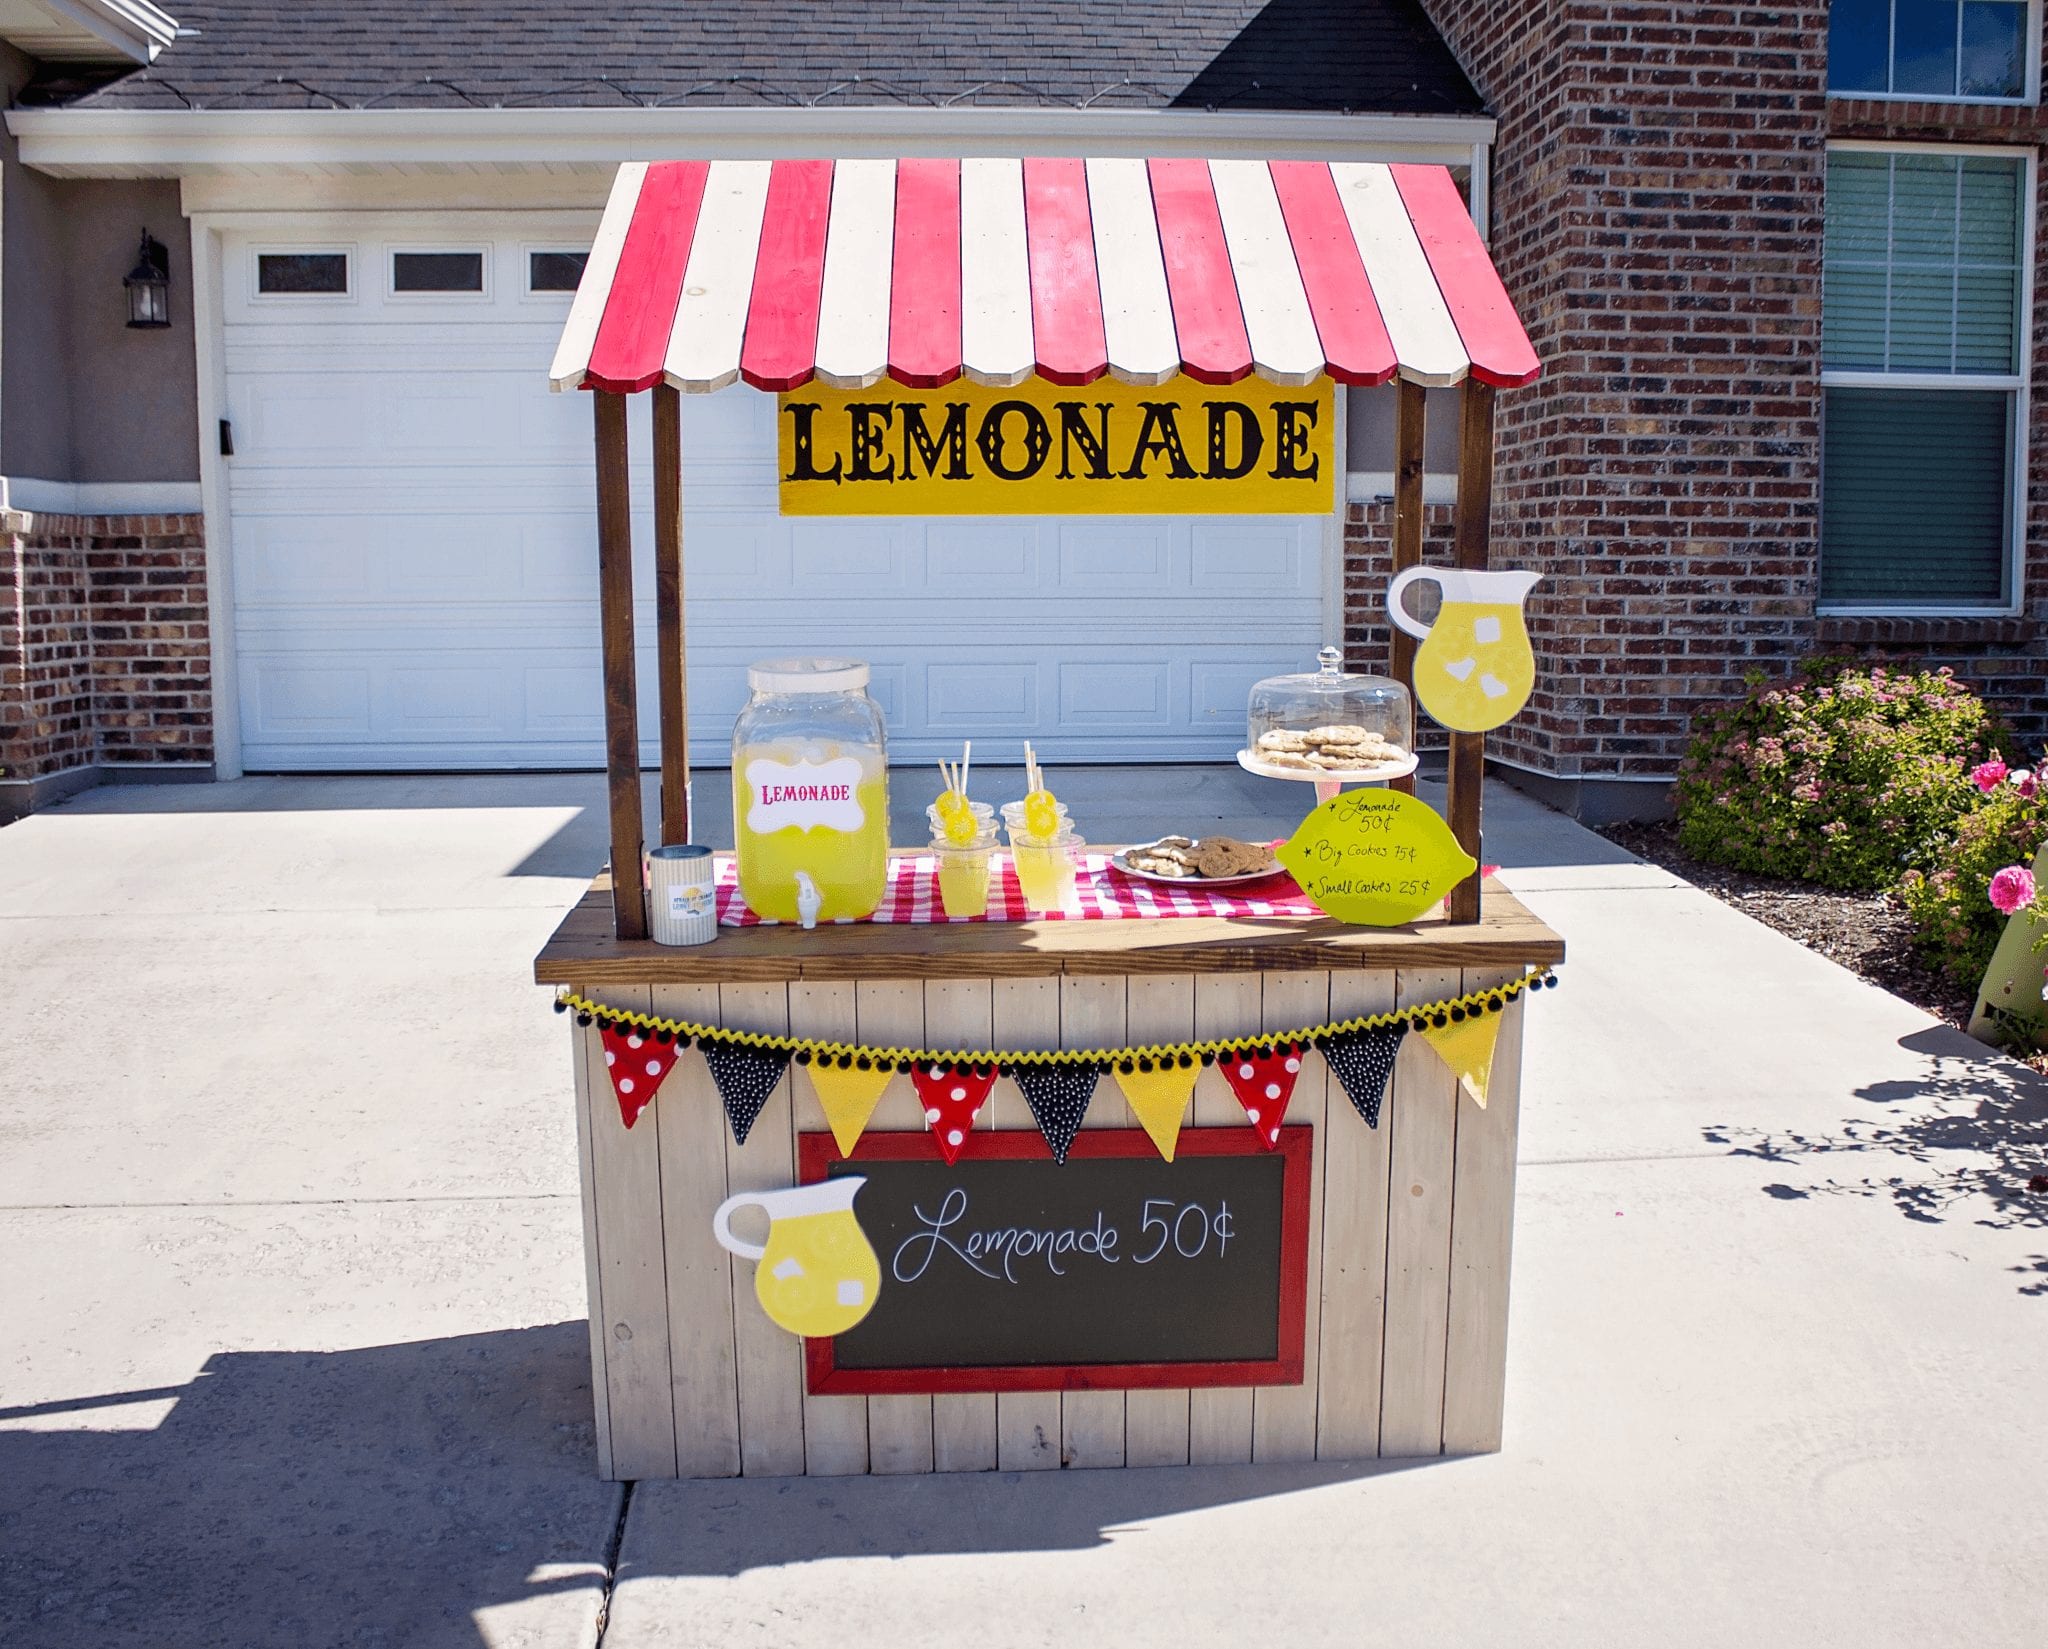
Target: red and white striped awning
x=704, y=272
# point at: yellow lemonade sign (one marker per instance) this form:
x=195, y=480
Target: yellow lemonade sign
x=1111, y=448
x=1377, y=858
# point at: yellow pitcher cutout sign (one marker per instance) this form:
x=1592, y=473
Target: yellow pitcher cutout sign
x=818, y=1274
x=1474, y=670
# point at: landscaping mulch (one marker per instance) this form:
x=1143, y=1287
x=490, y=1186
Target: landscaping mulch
x=1867, y=933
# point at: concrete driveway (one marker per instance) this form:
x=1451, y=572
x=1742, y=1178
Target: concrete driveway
x=290, y=1288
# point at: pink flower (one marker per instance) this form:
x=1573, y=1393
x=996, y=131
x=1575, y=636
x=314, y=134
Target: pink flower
x=2026, y=784
x=1989, y=776
x=2012, y=889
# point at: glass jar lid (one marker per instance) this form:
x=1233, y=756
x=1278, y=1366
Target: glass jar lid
x=808, y=675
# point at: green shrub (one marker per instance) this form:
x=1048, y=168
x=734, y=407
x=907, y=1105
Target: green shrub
x=1842, y=775
x=1954, y=924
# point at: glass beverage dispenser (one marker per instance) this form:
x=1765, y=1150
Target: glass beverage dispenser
x=810, y=792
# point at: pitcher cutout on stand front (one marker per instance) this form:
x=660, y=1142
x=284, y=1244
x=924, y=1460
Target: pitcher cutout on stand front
x=818, y=1274
x=1475, y=668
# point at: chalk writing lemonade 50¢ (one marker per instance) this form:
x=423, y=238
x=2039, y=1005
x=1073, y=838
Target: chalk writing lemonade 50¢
x=1163, y=1228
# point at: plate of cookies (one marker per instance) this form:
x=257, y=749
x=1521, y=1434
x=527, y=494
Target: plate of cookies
x=1338, y=751
x=1210, y=861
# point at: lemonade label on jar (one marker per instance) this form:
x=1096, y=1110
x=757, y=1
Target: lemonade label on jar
x=804, y=795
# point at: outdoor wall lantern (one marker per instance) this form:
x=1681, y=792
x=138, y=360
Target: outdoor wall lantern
x=149, y=284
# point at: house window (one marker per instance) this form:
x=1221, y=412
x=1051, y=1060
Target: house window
x=554, y=271
x=437, y=271
x=302, y=274
x=1921, y=355
x=1967, y=49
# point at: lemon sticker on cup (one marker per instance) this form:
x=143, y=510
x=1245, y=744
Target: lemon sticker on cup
x=1375, y=858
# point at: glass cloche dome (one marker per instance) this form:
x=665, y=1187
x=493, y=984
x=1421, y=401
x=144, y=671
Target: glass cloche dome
x=1330, y=724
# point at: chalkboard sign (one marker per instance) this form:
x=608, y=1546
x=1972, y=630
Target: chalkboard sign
x=1010, y=1272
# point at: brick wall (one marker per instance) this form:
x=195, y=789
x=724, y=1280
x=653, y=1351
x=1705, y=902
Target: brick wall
x=104, y=653
x=1658, y=212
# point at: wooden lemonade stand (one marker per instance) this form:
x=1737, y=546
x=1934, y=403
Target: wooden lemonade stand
x=1322, y=1290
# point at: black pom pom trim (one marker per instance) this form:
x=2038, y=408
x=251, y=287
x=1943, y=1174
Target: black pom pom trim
x=561, y=1006
x=1126, y=1066
x=1144, y=1067
x=1208, y=1059
x=803, y=1056
x=1186, y=1062
x=863, y=1063
x=1457, y=1014
x=583, y=1019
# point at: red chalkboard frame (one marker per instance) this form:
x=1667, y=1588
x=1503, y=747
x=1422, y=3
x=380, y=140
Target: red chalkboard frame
x=817, y=1152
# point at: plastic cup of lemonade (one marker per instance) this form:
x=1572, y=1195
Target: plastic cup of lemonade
x=963, y=874
x=984, y=820
x=1045, y=870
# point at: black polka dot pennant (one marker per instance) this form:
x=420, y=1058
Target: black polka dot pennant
x=1058, y=1096
x=1363, y=1060
x=746, y=1076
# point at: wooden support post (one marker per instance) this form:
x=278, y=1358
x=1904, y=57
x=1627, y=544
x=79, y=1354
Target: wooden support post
x=1474, y=535
x=671, y=686
x=621, y=709
x=1410, y=425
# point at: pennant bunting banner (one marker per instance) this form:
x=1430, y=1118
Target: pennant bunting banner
x=1157, y=1079
x=1058, y=1096
x=1465, y=1043
x=951, y=1095
x=1363, y=1060
x=849, y=1088
x=746, y=1075
x=1158, y=1095
x=1263, y=1080
x=638, y=1062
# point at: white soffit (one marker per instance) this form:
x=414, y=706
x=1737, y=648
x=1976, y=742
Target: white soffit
x=87, y=31
x=93, y=142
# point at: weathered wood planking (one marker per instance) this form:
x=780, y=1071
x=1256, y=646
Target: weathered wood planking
x=632, y=1287
x=583, y=947
x=1284, y=1417
x=1026, y=1014
x=1092, y=1016
x=1354, y=1293
x=957, y=1013
x=771, y=1359
x=835, y=1428
x=704, y=1377
x=1482, y=1244
x=1220, y=1417
x=1422, y=1116
x=1158, y=1007
x=621, y=701
x=890, y=1013
x=1474, y=537
x=591, y=1083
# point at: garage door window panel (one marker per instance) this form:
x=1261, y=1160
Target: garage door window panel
x=552, y=271
x=1924, y=406
x=304, y=272
x=439, y=272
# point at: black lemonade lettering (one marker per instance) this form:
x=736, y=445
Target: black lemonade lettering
x=802, y=414
x=919, y=442
x=1160, y=433
x=1291, y=439
x=1250, y=441
x=870, y=422
x=1037, y=440
x=1094, y=444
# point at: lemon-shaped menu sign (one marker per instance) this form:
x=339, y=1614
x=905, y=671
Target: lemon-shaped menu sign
x=1376, y=858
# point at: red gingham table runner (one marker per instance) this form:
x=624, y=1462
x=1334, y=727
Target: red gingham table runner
x=1106, y=894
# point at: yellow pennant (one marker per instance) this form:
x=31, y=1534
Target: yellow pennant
x=1160, y=1098
x=1466, y=1045
x=849, y=1097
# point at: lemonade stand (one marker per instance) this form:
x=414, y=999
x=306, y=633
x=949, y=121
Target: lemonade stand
x=971, y=1157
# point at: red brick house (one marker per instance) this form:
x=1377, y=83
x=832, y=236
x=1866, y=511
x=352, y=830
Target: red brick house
x=1780, y=267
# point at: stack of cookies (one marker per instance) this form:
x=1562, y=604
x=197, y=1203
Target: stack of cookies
x=1180, y=857
x=1334, y=749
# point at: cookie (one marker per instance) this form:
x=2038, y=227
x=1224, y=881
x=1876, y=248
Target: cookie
x=1340, y=735
x=1227, y=856
x=1155, y=864
x=1281, y=738
x=1294, y=759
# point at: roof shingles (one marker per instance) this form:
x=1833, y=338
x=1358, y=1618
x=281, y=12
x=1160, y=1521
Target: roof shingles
x=1379, y=56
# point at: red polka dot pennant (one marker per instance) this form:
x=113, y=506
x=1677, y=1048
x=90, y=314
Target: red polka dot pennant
x=638, y=1064
x=951, y=1094
x=1263, y=1080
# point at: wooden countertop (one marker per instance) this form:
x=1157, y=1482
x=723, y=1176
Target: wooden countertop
x=583, y=951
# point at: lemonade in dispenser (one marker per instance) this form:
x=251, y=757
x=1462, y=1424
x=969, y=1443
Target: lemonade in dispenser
x=810, y=792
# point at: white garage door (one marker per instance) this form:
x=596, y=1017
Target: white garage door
x=414, y=548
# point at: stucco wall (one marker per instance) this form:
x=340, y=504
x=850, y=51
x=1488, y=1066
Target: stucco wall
x=82, y=397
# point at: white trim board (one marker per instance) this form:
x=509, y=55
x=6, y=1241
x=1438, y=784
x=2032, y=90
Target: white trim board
x=181, y=143
x=26, y=493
